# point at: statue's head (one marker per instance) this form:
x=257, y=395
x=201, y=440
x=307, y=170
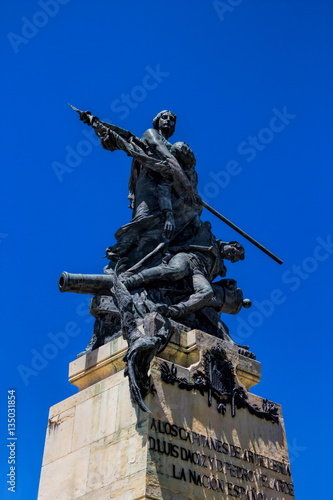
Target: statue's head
x=165, y=121
x=184, y=154
x=232, y=250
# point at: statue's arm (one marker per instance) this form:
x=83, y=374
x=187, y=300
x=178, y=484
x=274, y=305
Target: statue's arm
x=164, y=200
x=155, y=143
x=158, y=147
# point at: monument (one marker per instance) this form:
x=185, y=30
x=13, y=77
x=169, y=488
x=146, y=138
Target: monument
x=183, y=423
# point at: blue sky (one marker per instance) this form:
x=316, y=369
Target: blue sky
x=251, y=84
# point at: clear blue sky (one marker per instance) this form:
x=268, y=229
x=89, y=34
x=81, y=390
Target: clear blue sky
x=252, y=88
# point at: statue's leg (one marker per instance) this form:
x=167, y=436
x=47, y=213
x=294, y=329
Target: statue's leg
x=177, y=268
x=122, y=247
x=203, y=293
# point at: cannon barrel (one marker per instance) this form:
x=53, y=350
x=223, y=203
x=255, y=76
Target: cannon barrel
x=91, y=284
x=227, y=297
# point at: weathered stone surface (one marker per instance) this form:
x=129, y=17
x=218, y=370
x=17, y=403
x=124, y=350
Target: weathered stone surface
x=98, y=364
x=183, y=349
x=100, y=445
x=188, y=467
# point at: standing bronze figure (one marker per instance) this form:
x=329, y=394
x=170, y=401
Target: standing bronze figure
x=163, y=265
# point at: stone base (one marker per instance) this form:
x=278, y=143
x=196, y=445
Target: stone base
x=99, y=445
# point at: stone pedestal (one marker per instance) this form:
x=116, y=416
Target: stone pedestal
x=195, y=444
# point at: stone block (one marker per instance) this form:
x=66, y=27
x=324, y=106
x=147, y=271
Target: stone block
x=100, y=445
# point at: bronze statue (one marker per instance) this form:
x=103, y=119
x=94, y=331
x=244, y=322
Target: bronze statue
x=162, y=266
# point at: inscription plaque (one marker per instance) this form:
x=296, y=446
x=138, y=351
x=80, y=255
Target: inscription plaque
x=214, y=464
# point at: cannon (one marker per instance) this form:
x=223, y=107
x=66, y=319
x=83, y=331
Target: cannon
x=90, y=284
x=227, y=297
